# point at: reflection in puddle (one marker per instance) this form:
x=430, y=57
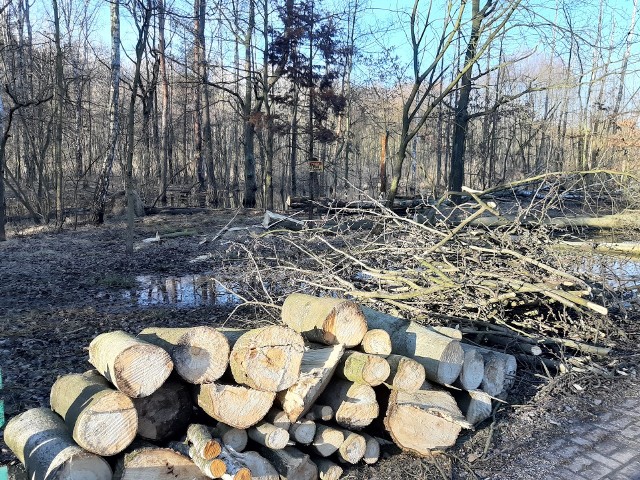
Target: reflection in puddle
x=187, y=291
x=617, y=272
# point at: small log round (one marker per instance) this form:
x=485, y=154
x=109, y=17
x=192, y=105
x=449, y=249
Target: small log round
x=234, y=405
x=203, y=442
x=260, y=467
x=499, y=371
x=135, y=367
x=199, y=354
x=278, y=418
x=327, y=440
x=476, y=405
x=405, y=373
x=353, y=448
x=303, y=431
x=157, y=464
x=327, y=470
x=472, y=371
x=165, y=413
x=327, y=320
x=269, y=435
x=41, y=441
x=376, y=342
x=231, y=437
x=355, y=405
x=363, y=368
x=372, y=450
x=320, y=412
x=102, y=420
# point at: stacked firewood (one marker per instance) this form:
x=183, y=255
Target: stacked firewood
x=293, y=401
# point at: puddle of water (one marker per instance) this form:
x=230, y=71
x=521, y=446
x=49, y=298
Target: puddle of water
x=186, y=291
x=617, y=272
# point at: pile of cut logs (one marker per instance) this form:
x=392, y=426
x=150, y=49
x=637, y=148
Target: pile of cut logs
x=300, y=395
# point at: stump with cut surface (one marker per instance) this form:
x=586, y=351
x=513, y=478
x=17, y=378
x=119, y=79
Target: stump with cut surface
x=102, y=420
x=157, y=464
x=316, y=371
x=166, y=412
x=267, y=358
x=42, y=442
x=135, y=367
x=234, y=405
x=364, y=368
x=405, y=373
x=354, y=404
x=421, y=421
x=441, y=356
x=199, y=354
x=325, y=320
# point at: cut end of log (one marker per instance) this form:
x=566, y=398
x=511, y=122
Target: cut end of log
x=450, y=363
x=158, y=464
x=345, y=325
x=234, y=405
x=142, y=369
x=377, y=342
x=201, y=355
x=472, y=369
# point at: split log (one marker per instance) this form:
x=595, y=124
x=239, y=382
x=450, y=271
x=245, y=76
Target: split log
x=157, y=464
x=372, y=450
x=327, y=470
x=499, y=371
x=41, y=441
x=405, y=373
x=472, y=371
x=278, y=418
x=421, y=421
x=363, y=368
x=441, y=356
x=260, y=467
x=135, y=367
x=319, y=412
x=291, y=463
x=274, y=221
x=165, y=413
x=353, y=448
x=267, y=358
x=355, y=405
x=199, y=354
x=325, y=320
x=102, y=420
x=303, y=431
x=475, y=405
x=269, y=435
x=203, y=442
x=316, y=371
x=234, y=405
x=327, y=440
x=231, y=437
x=376, y=342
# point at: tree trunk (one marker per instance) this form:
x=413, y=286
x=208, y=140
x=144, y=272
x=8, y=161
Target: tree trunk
x=199, y=354
x=157, y=464
x=441, y=357
x=135, y=367
x=165, y=413
x=3, y=143
x=316, y=369
x=267, y=358
x=102, y=420
x=102, y=186
x=234, y=405
x=326, y=320
x=363, y=368
x=405, y=373
x=250, y=184
x=165, y=109
x=59, y=94
x=355, y=405
x=41, y=441
x=376, y=342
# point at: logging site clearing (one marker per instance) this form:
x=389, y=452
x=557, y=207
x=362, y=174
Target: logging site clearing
x=499, y=324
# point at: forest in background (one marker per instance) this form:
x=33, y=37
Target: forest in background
x=247, y=102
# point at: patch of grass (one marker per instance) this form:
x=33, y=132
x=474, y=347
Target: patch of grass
x=117, y=281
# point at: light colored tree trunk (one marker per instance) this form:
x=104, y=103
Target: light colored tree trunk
x=59, y=94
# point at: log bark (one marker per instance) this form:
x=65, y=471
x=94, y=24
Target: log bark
x=442, y=357
x=135, y=367
x=355, y=405
x=267, y=358
x=269, y=435
x=203, y=442
x=472, y=371
x=353, y=448
x=372, y=450
x=102, y=420
x=260, y=467
x=278, y=418
x=499, y=371
x=199, y=354
x=327, y=470
x=237, y=406
x=303, y=431
x=327, y=440
x=211, y=468
x=376, y=342
x=421, y=421
x=319, y=412
x=316, y=371
x=157, y=464
x=363, y=368
x=475, y=405
x=42, y=442
x=231, y=437
x=165, y=413
x=405, y=373
x=325, y=320
x=291, y=463
x=276, y=221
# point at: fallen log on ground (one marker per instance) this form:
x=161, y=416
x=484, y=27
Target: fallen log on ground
x=629, y=220
x=135, y=367
x=274, y=220
x=325, y=320
x=165, y=413
x=102, y=420
x=441, y=356
x=199, y=354
x=41, y=441
x=234, y=405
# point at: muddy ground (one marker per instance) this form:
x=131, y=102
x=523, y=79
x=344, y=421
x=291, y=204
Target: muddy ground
x=59, y=290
